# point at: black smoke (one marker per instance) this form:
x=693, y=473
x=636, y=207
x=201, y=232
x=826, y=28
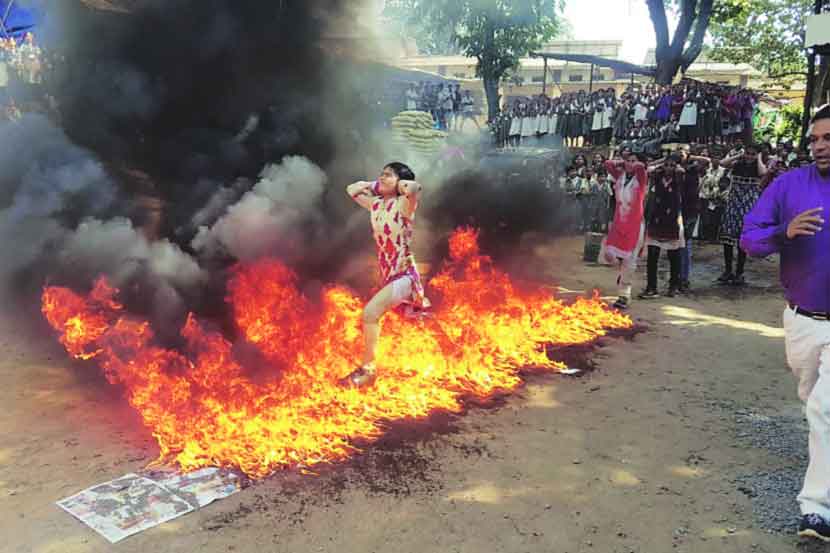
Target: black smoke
x=508, y=195
x=182, y=102
x=198, y=96
x=209, y=107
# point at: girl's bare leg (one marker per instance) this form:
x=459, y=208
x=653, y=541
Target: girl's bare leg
x=382, y=302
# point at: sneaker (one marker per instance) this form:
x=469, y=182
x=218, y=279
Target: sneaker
x=726, y=278
x=739, y=280
x=621, y=303
x=672, y=291
x=814, y=526
x=649, y=294
x=359, y=378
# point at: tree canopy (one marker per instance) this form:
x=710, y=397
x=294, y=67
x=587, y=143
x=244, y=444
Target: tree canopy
x=431, y=40
x=767, y=34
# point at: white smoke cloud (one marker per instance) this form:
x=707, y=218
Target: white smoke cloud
x=267, y=220
x=116, y=249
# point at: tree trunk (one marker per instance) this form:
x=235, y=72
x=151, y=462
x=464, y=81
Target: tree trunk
x=670, y=54
x=491, y=89
x=666, y=70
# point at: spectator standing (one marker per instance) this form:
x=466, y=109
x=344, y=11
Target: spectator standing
x=432, y=102
x=444, y=105
x=714, y=191
x=468, y=110
x=585, y=199
x=603, y=204
x=622, y=117
x=528, y=123
x=456, y=106
x=747, y=170
x=693, y=167
x=665, y=224
x=4, y=69
x=30, y=59
x=688, y=118
x=517, y=114
x=411, y=97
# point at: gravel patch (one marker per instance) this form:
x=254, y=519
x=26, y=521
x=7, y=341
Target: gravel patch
x=773, y=492
x=773, y=498
x=784, y=434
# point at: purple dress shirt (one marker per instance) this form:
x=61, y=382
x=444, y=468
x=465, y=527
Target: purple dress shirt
x=805, y=261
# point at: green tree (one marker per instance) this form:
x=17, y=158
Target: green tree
x=495, y=32
x=788, y=126
x=767, y=34
x=431, y=40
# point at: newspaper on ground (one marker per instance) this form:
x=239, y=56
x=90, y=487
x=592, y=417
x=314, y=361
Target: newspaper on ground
x=201, y=487
x=128, y=505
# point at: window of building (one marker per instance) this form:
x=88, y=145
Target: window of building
x=539, y=79
x=557, y=75
x=460, y=75
x=575, y=77
x=599, y=76
x=442, y=70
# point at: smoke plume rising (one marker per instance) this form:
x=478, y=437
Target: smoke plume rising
x=269, y=220
x=245, y=128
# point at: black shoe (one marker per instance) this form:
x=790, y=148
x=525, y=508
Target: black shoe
x=685, y=287
x=672, y=291
x=726, y=278
x=649, y=294
x=814, y=526
x=621, y=303
x=739, y=280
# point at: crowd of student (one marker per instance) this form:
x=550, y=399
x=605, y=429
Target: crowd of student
x=450, y=106
x=687, y=194
x=23, y=65
x=24, y=60
x=642, y=117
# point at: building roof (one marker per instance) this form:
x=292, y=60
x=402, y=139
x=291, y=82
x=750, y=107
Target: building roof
x=111, y=5
x=720, y=67
x=704, y=64
x=464, y=61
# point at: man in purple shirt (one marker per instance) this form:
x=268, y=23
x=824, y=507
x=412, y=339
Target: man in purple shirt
x=789, y=219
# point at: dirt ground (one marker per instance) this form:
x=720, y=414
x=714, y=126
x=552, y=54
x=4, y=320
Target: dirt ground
x=648, y=453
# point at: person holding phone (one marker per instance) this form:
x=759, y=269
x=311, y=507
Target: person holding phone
x=789, y=219
x=391, y=201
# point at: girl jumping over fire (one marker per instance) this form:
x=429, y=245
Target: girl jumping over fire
x=391, y=201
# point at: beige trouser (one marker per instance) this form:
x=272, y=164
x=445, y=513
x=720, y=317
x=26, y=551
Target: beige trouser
x=808, y=354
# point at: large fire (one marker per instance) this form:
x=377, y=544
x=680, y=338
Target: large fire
x=205, y=410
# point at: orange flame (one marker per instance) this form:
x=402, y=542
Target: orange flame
x=204, y=410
